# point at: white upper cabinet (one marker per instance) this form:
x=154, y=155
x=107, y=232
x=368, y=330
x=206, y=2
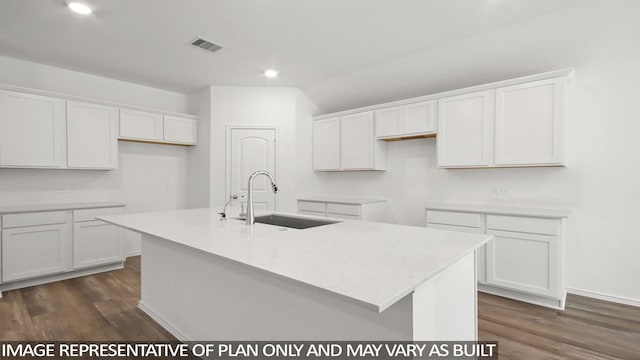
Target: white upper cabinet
x=347, y=143
x=389, y=121
x=141, y=125
x=180, y=130
x=465, y=130
x=359, y=150
x=92, y=136
x=326, y=144
x=412, y=120
x=530, y=123
x=32, y=131
x=512, y=123
x=421, y=118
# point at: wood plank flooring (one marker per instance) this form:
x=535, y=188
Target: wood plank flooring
x=104, y=307
x=96, y=307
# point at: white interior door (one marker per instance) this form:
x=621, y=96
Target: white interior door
x=250, y=150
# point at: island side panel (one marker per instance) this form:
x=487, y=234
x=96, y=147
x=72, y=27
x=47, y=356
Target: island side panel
x=445, y=308
x=198, y=296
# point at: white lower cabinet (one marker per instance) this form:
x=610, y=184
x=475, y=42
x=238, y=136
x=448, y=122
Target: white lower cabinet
x=38, y=247
x=523, y=261
x=364, y=210
x=95, y=243
x=481, y=253
x=35, y=250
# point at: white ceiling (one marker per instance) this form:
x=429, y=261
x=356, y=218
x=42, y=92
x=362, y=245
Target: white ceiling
x=342, y=53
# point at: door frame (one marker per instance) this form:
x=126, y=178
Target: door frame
x=227, y=167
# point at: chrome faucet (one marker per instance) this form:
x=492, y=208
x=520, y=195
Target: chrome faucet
x=250, y=217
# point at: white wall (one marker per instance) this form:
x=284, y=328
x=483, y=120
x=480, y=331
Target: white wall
x=600, y=185
x=150, y=176
x=199, y=164
x=260, y=106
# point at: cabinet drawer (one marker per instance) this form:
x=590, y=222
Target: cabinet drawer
x=312, y=213
x=34, y=219
x=311, y=206
x=454, y=218
x=343, y=209
x=90, y=214
x=343, y=216
x=524, y=224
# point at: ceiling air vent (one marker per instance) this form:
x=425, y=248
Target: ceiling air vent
x=206, y=45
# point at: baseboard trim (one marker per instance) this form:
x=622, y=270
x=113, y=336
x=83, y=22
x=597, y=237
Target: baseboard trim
x=552, y=303
x=160, y=320
x=132, y=254
x=605, y=297
x=19, y=284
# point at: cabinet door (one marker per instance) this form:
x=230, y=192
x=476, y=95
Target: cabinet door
x=421, y=118
x=390, y=121
x=523, y=261
x=481, y=252
x=32, y=131
x=92, y=136
x=326, y=144
x=530, y=123
x=465, y=130
x=356, y=141
x=180, y=130
x=140, y=125
x=35, y=251
x=96, y=243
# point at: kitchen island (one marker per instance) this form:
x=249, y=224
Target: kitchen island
x=206, y=279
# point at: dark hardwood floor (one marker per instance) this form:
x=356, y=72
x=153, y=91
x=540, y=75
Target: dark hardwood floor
x=104, y=307
x=96, y=307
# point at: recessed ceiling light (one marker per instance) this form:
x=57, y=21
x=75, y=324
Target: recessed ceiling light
x=270, y=73
x=80, y=8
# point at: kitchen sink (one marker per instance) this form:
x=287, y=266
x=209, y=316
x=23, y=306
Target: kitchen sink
x=292, y=221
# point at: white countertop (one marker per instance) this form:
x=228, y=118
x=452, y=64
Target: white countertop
x=340, y=200
x=374, y=264
x=57, y=207
x=500, y=209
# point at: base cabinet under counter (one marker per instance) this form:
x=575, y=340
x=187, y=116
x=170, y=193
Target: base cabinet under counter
x=353, y=209
x=43, y=246
x=33, y=251
x=524, y=261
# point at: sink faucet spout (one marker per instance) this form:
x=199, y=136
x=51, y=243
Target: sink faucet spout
x=250, y=215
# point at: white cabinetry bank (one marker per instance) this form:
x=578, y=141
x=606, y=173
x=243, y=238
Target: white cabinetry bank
x=348, y=143
x=344, y=208
x=40, y=244
x=511, y=123
x=524, y=261
x=46, y=130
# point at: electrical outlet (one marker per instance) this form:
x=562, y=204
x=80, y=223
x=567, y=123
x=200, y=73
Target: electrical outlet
x=62, y=189
x=503, y=192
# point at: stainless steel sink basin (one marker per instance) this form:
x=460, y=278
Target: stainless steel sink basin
x=292, y=221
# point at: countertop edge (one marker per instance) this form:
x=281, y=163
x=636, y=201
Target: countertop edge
x=377, y=307
x=20, y=209
x=370, y=306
